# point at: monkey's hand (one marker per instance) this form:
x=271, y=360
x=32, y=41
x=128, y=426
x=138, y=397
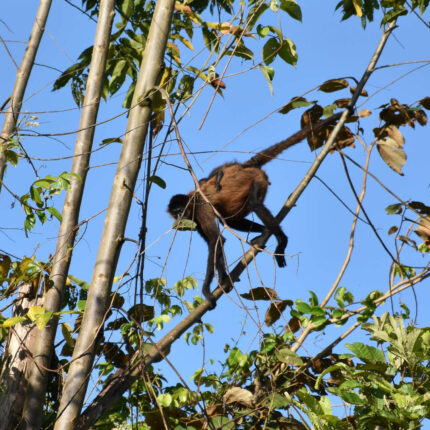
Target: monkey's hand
x=279, y=251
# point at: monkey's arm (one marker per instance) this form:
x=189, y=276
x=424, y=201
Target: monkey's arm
x=209, y=230
x=219, y=176
x=218, y=173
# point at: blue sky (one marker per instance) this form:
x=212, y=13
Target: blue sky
x=318, y=227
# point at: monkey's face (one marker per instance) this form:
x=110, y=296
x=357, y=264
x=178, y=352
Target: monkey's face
x=178, y=206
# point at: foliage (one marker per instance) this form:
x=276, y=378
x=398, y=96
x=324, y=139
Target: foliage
x=386, y=384
x=382, y=382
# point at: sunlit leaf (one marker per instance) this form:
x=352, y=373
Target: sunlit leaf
x=392, y=154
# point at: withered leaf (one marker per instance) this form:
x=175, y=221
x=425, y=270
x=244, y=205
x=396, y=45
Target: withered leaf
x=275, y=311
x=421, y=117
x=342, y=103
x=392, y=154
x=239, y=395
x=364, y=113
x=333, y=85
x=141, y=312
x=260, y=293
x=393, y=229
x=425, y=103
x=362, y=93
x=395, y=134
x=294, y=103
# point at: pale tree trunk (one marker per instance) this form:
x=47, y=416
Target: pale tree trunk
x=70, y=216
x=17, y=361
x=117, y=213
x=22, y=77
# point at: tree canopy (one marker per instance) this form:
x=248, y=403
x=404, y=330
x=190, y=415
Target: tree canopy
x=113, y=106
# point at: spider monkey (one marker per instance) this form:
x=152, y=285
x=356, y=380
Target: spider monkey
x=235, y=190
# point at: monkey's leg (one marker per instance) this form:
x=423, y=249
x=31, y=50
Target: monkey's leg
x=220, y=263
x=206, y=289
x=246, y=225
x=215, y=258
x=255, y=203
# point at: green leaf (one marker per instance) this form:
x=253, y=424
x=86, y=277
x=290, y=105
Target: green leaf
x=314, y=299
x=42, y=216
x=243, y=52
x=303, y=307
x=289, y=357
x=67, y=330
x=158, y=181
x=368, y=354
x=29, y=223
x=110, y=140
x=263, y=31
x=127, y=8
x=394, y=209
x=44, y=183
x=11, y=157
x=84, y=285
x=352, y=398
x=277, y=401
x=317, y=311
x=55, y=213
x=329, y=110
x=268, y=73
x=393, y=14
x=255, y=14
x=35, y=195
x=319, y=321
x=39, y=316
x=292, y=8
x=296, y=102
x=184, y=225
x=209, y=38
x=270, y=50
x=9, y=322
x=165, y=399
x=288, y=52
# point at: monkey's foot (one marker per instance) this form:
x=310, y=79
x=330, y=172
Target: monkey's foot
x=258, y=241
x=280, y=259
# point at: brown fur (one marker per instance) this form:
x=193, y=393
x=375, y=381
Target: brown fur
x=231, y=200
x=235, y=190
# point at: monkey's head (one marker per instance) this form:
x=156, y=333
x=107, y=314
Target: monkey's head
x=178, y=206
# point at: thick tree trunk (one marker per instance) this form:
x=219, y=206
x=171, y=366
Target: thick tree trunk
x=22, y=77
x=17, y=362
x=116, y=217
x=70, y=216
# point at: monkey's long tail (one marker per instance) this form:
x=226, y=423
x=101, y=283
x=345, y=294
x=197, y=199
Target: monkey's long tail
x=273, y=151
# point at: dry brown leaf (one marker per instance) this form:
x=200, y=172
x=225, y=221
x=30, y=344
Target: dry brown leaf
x=392, y=154
x=364, y=113
x=238, y=395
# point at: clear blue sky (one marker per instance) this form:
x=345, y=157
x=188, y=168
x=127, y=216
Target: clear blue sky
x=318, y=228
